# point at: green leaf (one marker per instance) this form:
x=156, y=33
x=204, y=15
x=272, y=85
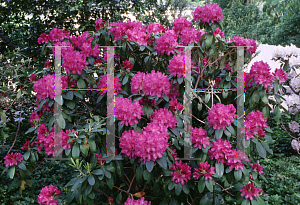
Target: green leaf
x=81, y=84
x=78, y=95
x=266, y=111
x=166, y=98
x=268, y=129
x=231, y=130
x=276, y=86
x=206, y=199
x=266, y=146
x=91, y=180
x=98, y=172
x=207, y=98
x=78, y=183
x=246, y=202
x=178, y=188
x=110, y=183
x=261, y=150
x=180, y=80
x=149, y=165
x=209, y=39
x=61, y=122
x=139, y=174
x=269, y=139
x=70, y=95
x=238, y=174
x=22, y=166
x=162, y=162
x=92, y=145
x=210, y=185
x=171, y=185
x=255, y=97
x=107, y=173
x=219, y=133
x=70, y=104
x=125, y=80
x=220, y=169
x=147, y=176
x=27, y=155
x=265, y=99
x=201, y=184
x=29, y=130
x=75, y=151
x=11, y=172
x=84, y=150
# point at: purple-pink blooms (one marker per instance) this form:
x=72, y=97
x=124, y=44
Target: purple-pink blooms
x=208, y=13
x=205, y=169
x=46, y=196
x=182, y=172
x=220, y=116
x=13, y=159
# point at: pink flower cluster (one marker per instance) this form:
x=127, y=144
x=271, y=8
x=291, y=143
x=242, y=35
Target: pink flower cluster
x=99, y=24
x=221, y=151
x=167, y=43
x=281, y=75
x=34, y=118
x=177, y=66
x=154, y=84
x=45, y=87
x=191, y=35
x=32, y=77
x=140, y=201
x=175, y=105
x=208, y=13
x=205, y=169
x=261, y=74
x=127, y=112
x=182, y=172
x=254, y=124
x=134, y=30
x=46, y=140
x=257, y=168
x=220, y=116
x=13, y=159
x=199, y=138
x=241, y=41
x=103, y=84
x=74, y=62
x=155, y=28
x=100, y=159
x=250, y=191
x=27, y=145
x=57, y=34
x=165, y=117
x=218, y=33
x=43, y=38
x=46, y=196
x=128, y=65
x=149, y=145
x=180, y=23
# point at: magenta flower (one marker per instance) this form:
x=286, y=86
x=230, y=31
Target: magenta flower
x=199, y=138
x=155, y=28
x=180, y=23
x=219, y=150
x=103, y=84
x=260, y=71
x=167, y=43
x=218, y=33
x=47, y=194
x=165, y=117
x=74, y=62
x=128, y=65
x=13, y=159
x=208, y=13
x=174, y=155
x=257, y=168
x=241, y=41
x=99, y=24
x=27, y=145
x=34, y=118
x=57, y=34
x=205, y=169
x=190, y=35
x=250, y=191
x=281, y=75
x=234, y=159
x=140, y=201
x=175, y=105
x=43, y=38
x=32, y=77
x=254, y=124
x=220, y=116
x=127, y=112
x=100, y=159
x=177, y=66
x=182, y=172
x=47, y=64
x=149, y=145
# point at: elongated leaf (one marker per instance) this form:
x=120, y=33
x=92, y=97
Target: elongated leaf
x=178, y=189
x=210, y=185
x=206, y=199
x=238, y=174
x=75, y=151
x=162, y=162
x=201, y=184
x=92, y=145
x=219, y=133
x=220, y=169
x=91, y=180
x=98, y=172
x=11, y=172
x=149, y=165
x=81, y=84
x=261, y=150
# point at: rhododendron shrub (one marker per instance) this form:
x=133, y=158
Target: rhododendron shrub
x=133, y=150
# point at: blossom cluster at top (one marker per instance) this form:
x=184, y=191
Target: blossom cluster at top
x=208, y=13
x=254, y=124
x=140, y=201
x=221, y=151
x=220, y=116
x=154, y=84
x=152, y=142
x=13, y=159
x=250, y=191
x=249, y=43
x=46, y=196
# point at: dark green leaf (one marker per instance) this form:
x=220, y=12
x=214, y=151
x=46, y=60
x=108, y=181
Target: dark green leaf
x=75, y=151
x=125, y=80
x=220, y=169
x=261, y=150
x=162, y=162
x=81, y=84
x=11, y=172
x=22, y=166
x=178, y=188
x=219, y=133
x=206, y=199
x=210, y=185
x=92, y=145
x=237, y=174
x=91, y=180
x=98, y=172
